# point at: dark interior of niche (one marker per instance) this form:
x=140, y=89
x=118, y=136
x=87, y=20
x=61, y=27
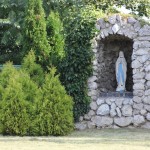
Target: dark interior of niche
x=107, y=59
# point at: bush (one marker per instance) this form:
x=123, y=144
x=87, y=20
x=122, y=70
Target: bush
x=34, y=70
x=28, y=108
x=14, y=115
x=54, y=28
x=55, y=112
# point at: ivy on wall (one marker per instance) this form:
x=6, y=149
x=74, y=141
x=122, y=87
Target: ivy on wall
x=77, y=65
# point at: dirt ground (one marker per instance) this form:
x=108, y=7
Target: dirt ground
x=106, y=139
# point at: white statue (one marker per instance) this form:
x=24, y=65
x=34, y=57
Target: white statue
x=121, y=71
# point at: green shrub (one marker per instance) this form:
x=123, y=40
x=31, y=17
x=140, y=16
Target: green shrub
x=35, y=35
x=54, y=28
x=30, y=66
x=55, y=112
x=14, y=115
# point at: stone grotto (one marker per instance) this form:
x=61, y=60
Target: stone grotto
x=108, y=108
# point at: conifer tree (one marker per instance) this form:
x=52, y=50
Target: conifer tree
x=35, y=36
x=55, y=37
x=55, y=112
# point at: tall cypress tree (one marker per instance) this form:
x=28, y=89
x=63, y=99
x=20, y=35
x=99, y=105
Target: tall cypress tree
x=35, y=36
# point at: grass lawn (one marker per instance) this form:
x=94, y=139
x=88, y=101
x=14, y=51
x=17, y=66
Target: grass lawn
x=106, y=139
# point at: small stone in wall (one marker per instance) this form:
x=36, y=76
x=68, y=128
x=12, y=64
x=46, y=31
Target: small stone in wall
x=105, y=121
x=146, y=100
x=93, y=106
x=147, y=92
x=103, y=109
x=136, y=112
x=100, y=100
x=139, y=86
x=147, y=107
x=138, y=120
x=137, y=99
x=143, y=112
x=136, y=64
x=138, y=106
x=123, y=121
x=131, y=20
x=139, y=75
x=148, y=116
x=115, y=28
x=127, y=110
x=146, y=125
x=90, y=125
x=113, y=113
x=81, y=125
x=91, y=113
x=138, y=93
x=112, y=19
x=118, y=112
x=147, y=76
x=108, y=101
x=119, y=102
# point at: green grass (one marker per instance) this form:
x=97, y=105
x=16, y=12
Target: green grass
x=105, y=139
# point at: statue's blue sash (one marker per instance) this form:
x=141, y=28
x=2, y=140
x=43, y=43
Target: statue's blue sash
x=120, y=73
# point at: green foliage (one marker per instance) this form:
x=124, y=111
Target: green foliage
x=35, y=36
x=30, y=66
x=30, y=108
x=55, y=116
x=61, y=104
x=14, y=116
x=55, y=37
x=76, y=66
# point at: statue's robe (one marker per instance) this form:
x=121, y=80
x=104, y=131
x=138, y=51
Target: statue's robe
x=121, y=70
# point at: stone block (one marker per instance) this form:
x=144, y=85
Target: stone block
x=148, y=116
x=105, y=121
x=127, y=110
x=81, y=126
x=118, y=112
x=90, y=125
x=103, y=109
x=108, y=101
x=100, y=100
x=147, y=76
x=93, y=106
x=92, y=79
x=138, y=120
x=137, y=99
x=143, y=112
x=136, y=64
x=138, y=106
x=113, y=113
x=112, y=19
x=91, y=113
x=146, y=125
x=139, y=75
x=139, y=86
x=123, y=121
x=147, y=107
x=147, y=92
x=146, y=100
x=119, y=102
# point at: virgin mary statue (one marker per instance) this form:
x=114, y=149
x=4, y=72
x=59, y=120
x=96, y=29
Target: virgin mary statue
x=121, y=70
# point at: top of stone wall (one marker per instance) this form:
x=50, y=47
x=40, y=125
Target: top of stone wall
x=127, y=26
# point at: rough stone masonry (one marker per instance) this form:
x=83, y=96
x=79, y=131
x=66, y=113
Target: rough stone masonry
x=126, y=34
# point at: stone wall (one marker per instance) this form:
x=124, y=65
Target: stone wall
x=117, y=34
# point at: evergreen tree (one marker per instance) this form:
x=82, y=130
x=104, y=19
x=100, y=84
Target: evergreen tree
x=35, y=36
x=55, y=37
x=14, y=116
x=55, y=112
